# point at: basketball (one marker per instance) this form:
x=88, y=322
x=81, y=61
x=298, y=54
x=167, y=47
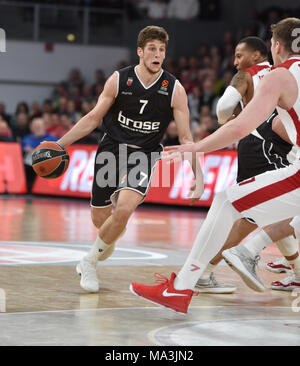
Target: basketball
x=50, y=160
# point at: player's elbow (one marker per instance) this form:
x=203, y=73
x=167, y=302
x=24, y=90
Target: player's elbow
x=227, y=103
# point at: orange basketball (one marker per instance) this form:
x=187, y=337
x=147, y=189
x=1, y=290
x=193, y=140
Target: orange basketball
x=50, y=160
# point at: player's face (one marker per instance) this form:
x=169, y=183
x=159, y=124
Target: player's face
x=243, y=57
x=152, y=55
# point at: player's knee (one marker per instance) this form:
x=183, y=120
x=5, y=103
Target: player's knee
x=122, y=214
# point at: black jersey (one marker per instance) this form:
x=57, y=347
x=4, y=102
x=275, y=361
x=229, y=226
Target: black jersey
x=140, y=115
x=264, y=152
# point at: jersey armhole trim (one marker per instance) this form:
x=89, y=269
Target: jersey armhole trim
x=118, y=82
x=172, y=96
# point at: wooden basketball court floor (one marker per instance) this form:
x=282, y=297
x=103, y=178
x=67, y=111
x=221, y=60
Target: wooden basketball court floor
x=41, y=302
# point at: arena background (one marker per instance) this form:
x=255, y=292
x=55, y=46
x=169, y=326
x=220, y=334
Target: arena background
x=55, y=57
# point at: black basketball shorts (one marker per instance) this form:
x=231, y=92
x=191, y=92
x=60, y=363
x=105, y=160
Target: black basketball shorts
x=121, y=166
x=256, y=156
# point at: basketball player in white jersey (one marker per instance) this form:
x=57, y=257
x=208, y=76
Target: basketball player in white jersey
x=262, y=150
x=267, y=198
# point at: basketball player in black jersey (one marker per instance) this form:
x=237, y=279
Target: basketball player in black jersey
x=136, y=106
x=261, y=151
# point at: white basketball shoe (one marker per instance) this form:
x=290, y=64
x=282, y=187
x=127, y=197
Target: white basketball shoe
x=87, y=270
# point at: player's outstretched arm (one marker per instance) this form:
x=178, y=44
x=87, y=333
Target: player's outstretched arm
x=268, y=95
x=91, y=120
x=232, y=96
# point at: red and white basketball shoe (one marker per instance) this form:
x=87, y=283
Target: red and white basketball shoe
x=287, y=284
x=164, y=294
x=282, y=265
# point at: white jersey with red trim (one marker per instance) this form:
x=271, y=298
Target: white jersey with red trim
x=291, y=118
x=258, y=72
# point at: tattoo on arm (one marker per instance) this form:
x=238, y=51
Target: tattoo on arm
x=239, y=81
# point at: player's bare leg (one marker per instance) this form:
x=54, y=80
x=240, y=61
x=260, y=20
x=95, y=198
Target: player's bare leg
x=240, y=230
x=111, y=226
x=279, y=233
x=208, y=283
x=127, y=202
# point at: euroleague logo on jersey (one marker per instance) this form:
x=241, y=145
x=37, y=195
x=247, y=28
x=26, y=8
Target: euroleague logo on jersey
x=164, y=88
x=165, y=83
x=129, y=81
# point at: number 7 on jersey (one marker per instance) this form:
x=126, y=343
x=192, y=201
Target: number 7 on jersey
x=144, y=103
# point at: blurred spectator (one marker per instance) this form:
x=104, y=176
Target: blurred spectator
x=5, y=132
x=34, y=109
x=30, y=142
x=182, y=64
x=186, y=81
x=52, y=122
x=270, y=16
x=87, y=93
x=98, y=90
x=204, y=111
x=47, y=117
x=221, y=85
x=47, y=106
x=3, y=113
x=183, y=9
x=75, y=79
x=85, y=108
x=75, y=94
x=21, y=127
x=171, y=136
x=62, y=106
x=208, y=97
x=72, y=112
x=208, y=124
x=228, y=58
x=198, y=132
x=21, y=107
x=193, y=101
x=37, y=135
x=193, y=66
x=64, y=126
x=60, y=91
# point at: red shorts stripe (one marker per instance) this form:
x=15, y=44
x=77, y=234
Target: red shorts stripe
x=267, y=193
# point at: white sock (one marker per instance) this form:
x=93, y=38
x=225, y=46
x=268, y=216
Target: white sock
x=210, y=239
x=97, y=250
x=295, y=264
x=258, y=243
x=206, y=274
x=99, y=247
x=288, y=246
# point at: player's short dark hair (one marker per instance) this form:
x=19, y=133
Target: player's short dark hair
x=150, y=33
x=255, y=44
x=283, y=33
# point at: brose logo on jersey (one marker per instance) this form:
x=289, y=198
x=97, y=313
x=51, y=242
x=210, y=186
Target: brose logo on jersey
x=138, y=125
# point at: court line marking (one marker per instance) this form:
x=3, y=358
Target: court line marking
x=137, y=308
x=147, y=254
x=179, y=326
